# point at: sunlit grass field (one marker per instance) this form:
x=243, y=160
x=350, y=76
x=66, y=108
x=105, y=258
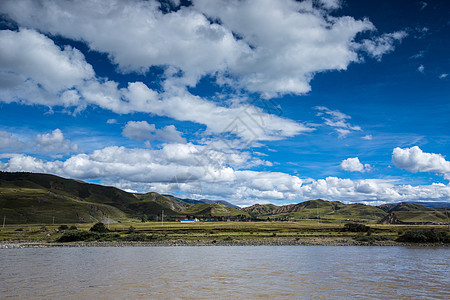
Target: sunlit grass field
x=214, y=230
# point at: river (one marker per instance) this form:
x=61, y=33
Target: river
x=226, y=272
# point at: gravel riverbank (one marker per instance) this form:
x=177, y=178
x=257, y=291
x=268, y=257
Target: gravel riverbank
x=244, y=242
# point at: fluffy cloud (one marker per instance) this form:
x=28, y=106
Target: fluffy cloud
x=289, y=40
x=271, y=47
x=169, y=134
x=50, y=143
x=54, y=142
x=142, y=130
x=330, y=4
x=35, y=70
x=354, y=165
x=415, y=160
x=142, y=165
x=337, y=120
x=9, y=142
x=373, y=191
x=383, y=44
x=143, y=36
x=246, y=121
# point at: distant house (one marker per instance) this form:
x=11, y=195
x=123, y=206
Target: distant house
x=189, y=220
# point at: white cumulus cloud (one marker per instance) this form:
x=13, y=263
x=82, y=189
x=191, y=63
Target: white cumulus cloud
x=141, y=130
x=10, y=142
x=415, y=160
x=270, y=47
x=54, y=142
x=35, y=70
x=353, y=164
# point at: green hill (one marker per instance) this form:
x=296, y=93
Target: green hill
x=164, y=202
x=37, y=198
x=44, y=198
x=214, y=210
x=318, y=209
x=416, y=213
x=41, y=198
x=260, y=209
x=404, y=206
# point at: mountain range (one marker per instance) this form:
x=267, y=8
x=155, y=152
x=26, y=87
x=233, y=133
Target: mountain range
x=44, y=198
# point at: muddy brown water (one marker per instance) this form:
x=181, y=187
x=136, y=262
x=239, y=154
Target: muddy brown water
x=221, y=272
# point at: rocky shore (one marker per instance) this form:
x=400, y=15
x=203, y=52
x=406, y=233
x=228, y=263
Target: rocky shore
x=243, y=242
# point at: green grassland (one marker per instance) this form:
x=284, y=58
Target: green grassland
x=217, y=231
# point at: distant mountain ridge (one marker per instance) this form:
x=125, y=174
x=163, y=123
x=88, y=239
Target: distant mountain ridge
x=191, y=201
x=41, y=198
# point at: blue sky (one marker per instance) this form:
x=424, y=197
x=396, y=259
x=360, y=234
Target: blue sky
x=247, y=101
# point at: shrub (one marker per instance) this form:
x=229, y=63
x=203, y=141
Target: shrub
x=131, y=229
x=424, y=236
x=144, y=218
x=63, y=227
x=73, y=227
x=76, y=236
x=87, y=236
x=370, y=238
x=99, y=227
x=138, y=237
x=355, y=227
x=19, y=229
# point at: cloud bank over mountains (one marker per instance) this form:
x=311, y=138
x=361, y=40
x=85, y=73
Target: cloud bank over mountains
x=201, y=172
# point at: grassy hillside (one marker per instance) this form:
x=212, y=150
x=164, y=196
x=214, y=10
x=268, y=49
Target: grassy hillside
x=260, y=209
x=416, y=213
x=39, y=205
x=409, y=207
x=318, y=209
x=43, y=198
x=213, y=210
x=37, y=198
x=163, y=201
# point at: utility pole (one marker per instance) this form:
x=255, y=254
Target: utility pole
x=162, y=217
x=318, y=220
x=448, y=224
x=4, y=220
x=53, y=220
